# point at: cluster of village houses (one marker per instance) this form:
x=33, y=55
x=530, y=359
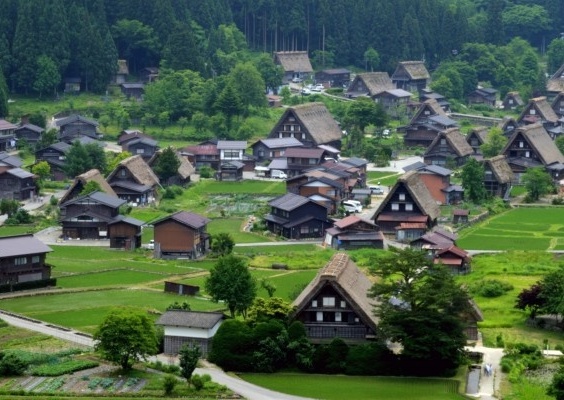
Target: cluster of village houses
x=304, y=145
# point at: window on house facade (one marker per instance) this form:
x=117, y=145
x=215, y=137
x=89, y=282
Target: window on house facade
x=402, y=196
x=20, y=260
x=408, y=207
x=328, y=302
x=35, y=259
x=521, y=144
x=395, y=206
x=304, y=230
x=312, y=161
x=527, y=154
x=443, y=142
x=532, y=111
x=343, y=304
x=427, y=112
x=292, y=128
x=338, y=316
x=140, y=151
x=319, y=316
x=122, y=172
x=314, y=303
x=510, y=101
x=230, y=154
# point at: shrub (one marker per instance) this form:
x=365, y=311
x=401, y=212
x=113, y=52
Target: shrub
x=491, y=288
x=63, y=368
x=169, y=383
x=558, y=201
x=197, y=381
x=206, y=172
x=169, y=193
x=11, y=365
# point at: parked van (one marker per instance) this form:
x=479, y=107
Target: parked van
x=352, y=206
x=276, y=173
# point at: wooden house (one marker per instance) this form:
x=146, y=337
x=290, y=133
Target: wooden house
x=82, y=180
x=460, y=216
x=87, y=216
x=310, y=123
x=512, y=101
x=269, y=149
x=203, y=155
x=408, y=202
x=437, y=181
x=125, y=232
x=189, y=327
x=450, y=146
x=476, y=137
x=30, y=133
x=428, y=94
x=7, y=135
x=295, y=64
x=234, y=150
x=23, y=261
x=531, y=146
x=555, y=83
x=296, y=217
x=72, y=85
x=498, y=177
x=134, y=181
x=335, y=304
x=182, y=235
x=230, y=171
x=321, y=189
x=411, y=76
x=356, y=162
x=352, y=232
x=436, y=239
x=184, y=172
x=130, y=134
x=453, y=257
x=558, y=105
x=508, y=125
x=8, y=161
x=394, y=101
x=425, y=125
x=143, y=146
x=55, y=155
x=149, y=74
x=302, y=158
x=74, y=126
x=122, y=72
x=335, y=77
x=370, y=84
x=17, y=184
x=539, y=110
x=486, y=96
x=134, y=90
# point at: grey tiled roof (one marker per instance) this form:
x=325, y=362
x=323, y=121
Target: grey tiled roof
x=281, y=142
x=131, y=186
x=355, y=161
x=231, y=145
x=12, y=246
x=20, y=173
x=127, y=220
x=100, y=197
x=13, y=161
x=74, y=118
x=288, y=201
x=190, y=319
x=186, y=218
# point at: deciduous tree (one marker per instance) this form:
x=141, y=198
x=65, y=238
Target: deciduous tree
x=537, y=182
x=188, y=355
x=473, y=181
x=47, y=77
x=222, y=244
x=494, y=143
x=42, y=169
x=126, y=336
x=230, y=281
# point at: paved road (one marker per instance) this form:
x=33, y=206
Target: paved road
x=245, y=389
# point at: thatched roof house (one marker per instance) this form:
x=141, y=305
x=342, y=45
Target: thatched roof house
x=370, y=84
x=538, y=110
x=82, y=180
x=500, y=168
x=138, y=170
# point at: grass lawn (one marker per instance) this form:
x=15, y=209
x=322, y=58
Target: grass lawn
x=386, y=178
x=109, y=278
x=233, y=227
x=274, y=250
x=523, y=228
x=8, y=230
x=358, y=387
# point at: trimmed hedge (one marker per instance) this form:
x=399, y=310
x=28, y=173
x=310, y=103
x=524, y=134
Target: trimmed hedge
x=62, y=368
x=28, y=285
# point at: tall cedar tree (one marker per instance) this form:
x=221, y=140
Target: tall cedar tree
x=229, y=103
x=167, y=164
x=473, y=181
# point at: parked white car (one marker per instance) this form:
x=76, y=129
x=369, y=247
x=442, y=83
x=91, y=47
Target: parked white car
x=151, y=245
x=353, y=206
x=317, y=88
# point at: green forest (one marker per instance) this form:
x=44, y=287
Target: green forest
x=78, y=38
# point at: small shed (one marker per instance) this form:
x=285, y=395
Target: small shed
x=230, y=171
x=460, y=216
x=181, y=327
x=125, y=233
x=364, y=195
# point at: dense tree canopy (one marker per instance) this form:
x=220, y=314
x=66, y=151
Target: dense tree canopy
x=537, y=182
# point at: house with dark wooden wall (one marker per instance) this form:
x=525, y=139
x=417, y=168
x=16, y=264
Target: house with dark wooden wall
x=125, y=232
x=486, y=96
x=22, y=261
x=558, y=105
x=130, y=134
x=539, y=110
x=476, y=137
x=449, y=146
x=512, y=101
x=55, y=155
x=428, y=94
x=134, y=181
x=30, y=133
x=87, y=216
x=425, y=125
x=296, y=217
x=269, y=149
x=74, y=126
x=302, y=158
x=498, y=177
x=17, y=184
x=295, y=64
x=203, y=155
x=531, y=146
x=143, y=146
x=408, y=210
x=335, y=304
x=411, y=76
x=394, y=101
x=182, y=234
x=335, y=77
x=7, y=135
x=82, y=180
x=352, y=232
x=369, y=84
x=310, y=123
x=328, y=192
x=133, y=90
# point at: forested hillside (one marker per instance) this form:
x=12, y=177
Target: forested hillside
x=84, y=38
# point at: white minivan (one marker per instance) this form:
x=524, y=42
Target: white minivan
x=352, y=206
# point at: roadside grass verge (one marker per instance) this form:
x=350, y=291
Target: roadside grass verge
x=521, y=269
x=233, y=226
x=357, y=387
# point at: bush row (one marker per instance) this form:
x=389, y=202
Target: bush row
x=62, y=368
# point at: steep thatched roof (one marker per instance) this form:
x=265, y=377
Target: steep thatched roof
x=139, y=169
x=542, y=109
x=539, y=139
x=500, y=168
x=122, y=67
x=415, y=69
x=418, y=191
x=516, y=98
x=556, y=81
x=456, y=141
x=294, y=61
x=83, y=179
x=375, y=82
x=348, y=280
x=481, y=132
x=318, y=121
x=185, y=169
x=430, y=105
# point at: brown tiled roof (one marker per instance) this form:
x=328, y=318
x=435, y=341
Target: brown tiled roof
x=140, y=170
x=456, y=140
x=376, y=82
x=5, y=125
x=418, y=192
x=347, y=221
x=92, y=175
x=542, y=106
x=190, y=219
x=319, y=122
x=500, y=168
x=415, y=69
x=539, y=140
x=202, y=149
x=295, y=61
x=342, y=273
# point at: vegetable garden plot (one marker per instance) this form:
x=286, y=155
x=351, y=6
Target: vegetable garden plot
x=236, y=204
